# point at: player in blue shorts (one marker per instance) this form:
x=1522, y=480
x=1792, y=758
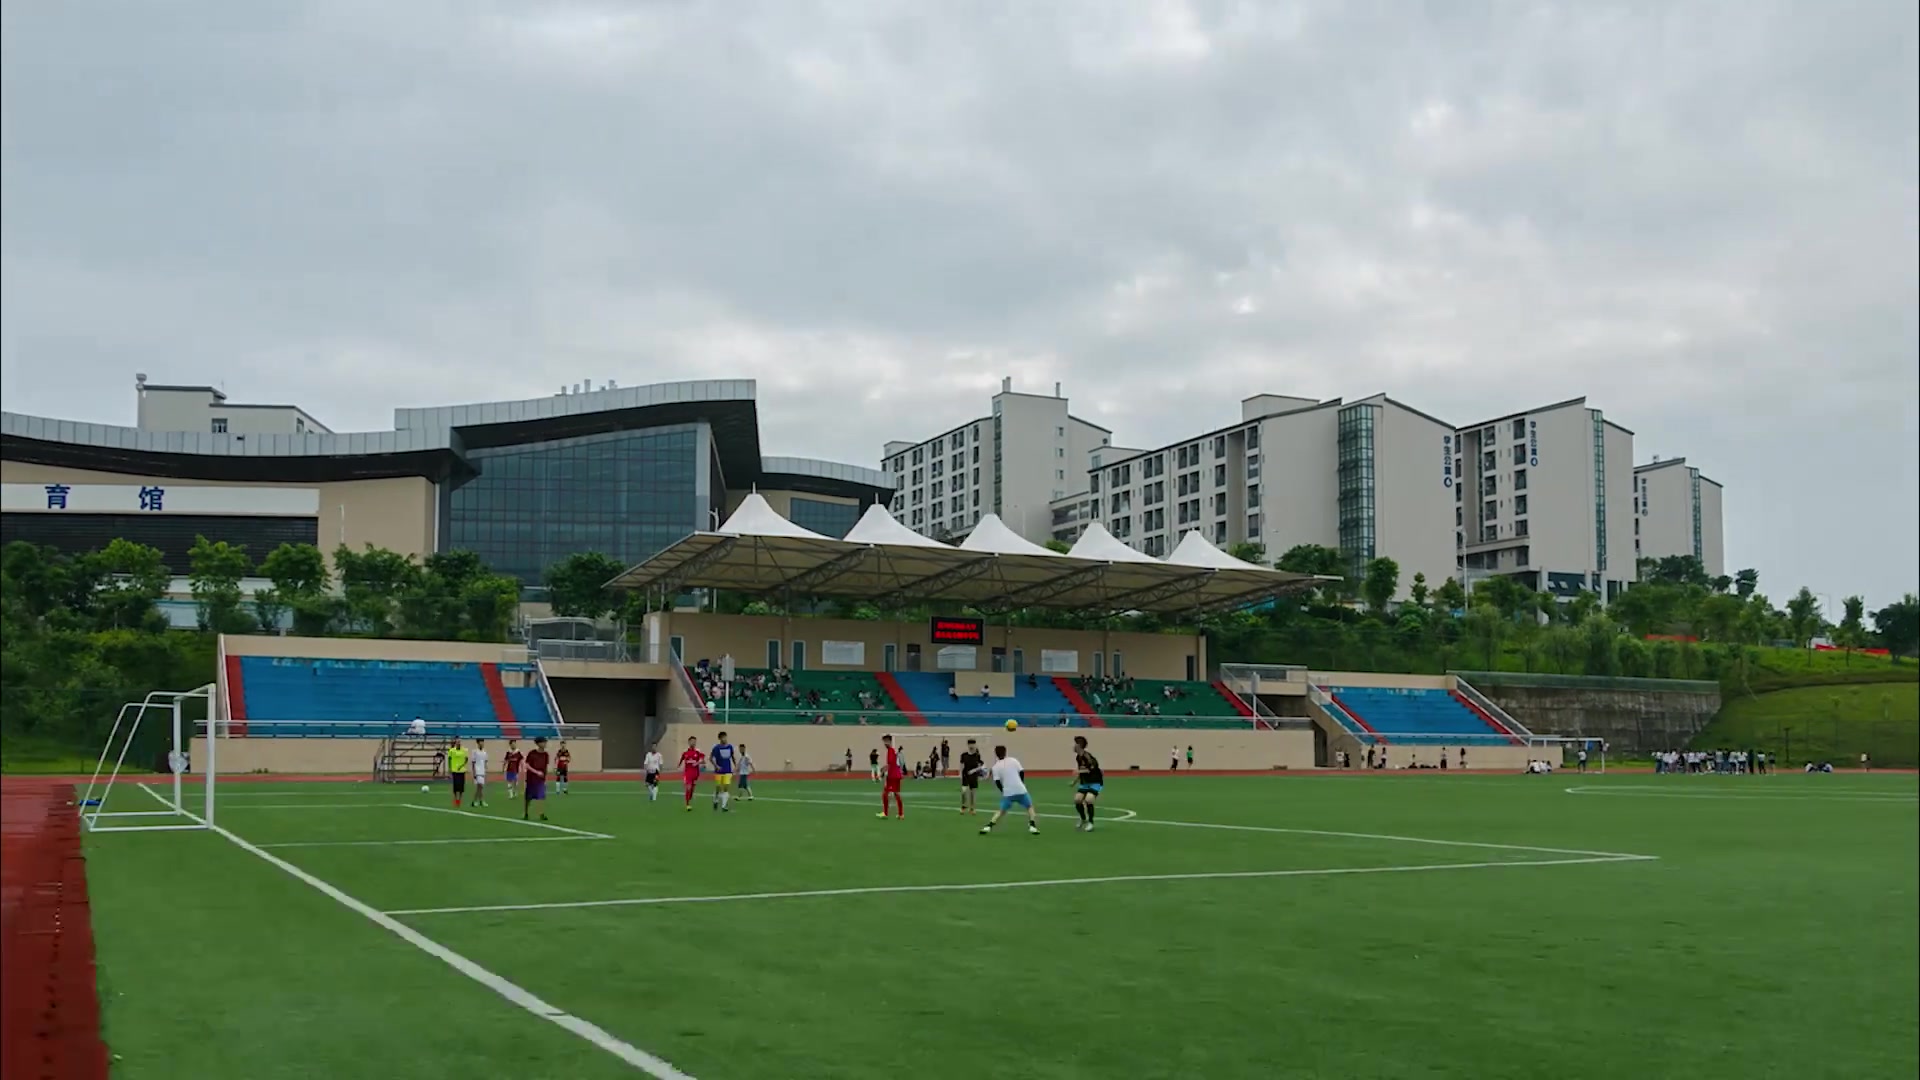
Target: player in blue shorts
x=1011, y=778
x=721, y=760
x=1088, y=779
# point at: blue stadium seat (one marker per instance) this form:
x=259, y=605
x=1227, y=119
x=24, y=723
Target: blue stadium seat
x=1415, y=716
x=317, y=698
x=928, y=689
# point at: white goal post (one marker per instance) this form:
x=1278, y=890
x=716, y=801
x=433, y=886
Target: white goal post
x=166, y=707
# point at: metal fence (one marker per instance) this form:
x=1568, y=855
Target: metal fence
x=1543, y=681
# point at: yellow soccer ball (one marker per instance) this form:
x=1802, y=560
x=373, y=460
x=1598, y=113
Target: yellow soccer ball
x=1013, y=725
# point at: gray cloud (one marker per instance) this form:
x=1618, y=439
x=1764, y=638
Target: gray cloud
x=1702, y=216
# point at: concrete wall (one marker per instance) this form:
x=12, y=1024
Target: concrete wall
x=804, y=748
x=342, y=756
x=1413, y=504
x=1146, y=656
x=397, y=513
x=619, y=706
x=1633, y=716
x=371, y=649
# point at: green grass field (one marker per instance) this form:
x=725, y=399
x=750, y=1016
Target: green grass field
x=1248, y=927
x=1825, y=723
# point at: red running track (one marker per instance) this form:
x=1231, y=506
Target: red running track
x=49, y=1009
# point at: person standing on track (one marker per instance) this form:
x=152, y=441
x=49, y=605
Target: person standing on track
x=745, y=769
x=511, y=763
x=873, y=765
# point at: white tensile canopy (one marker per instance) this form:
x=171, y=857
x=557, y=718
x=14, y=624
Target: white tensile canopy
x=884, y=562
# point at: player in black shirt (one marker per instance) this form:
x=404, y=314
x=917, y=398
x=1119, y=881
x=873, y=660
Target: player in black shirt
x=971, y=765
x=1087, y=781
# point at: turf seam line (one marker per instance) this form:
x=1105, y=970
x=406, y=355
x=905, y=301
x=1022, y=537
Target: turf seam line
x=442, y=840
x=1219, y=875
x=509, y=818
x=658, y=1068
x=1619, y=856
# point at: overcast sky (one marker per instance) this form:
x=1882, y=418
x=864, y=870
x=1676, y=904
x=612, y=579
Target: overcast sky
x=1701, y=216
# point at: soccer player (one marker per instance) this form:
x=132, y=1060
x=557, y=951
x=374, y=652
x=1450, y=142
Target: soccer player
x=873, y=765
x=512, y=764
x=457, y=769
x=690, y=761
x=972, y=767
x=536, y=787
x=562, y=760
x=1087, y=781
x=722, y=760
x=896, y=770
x=746, y=773
x=1011, y=778
x=652, y=764
x=479, y=772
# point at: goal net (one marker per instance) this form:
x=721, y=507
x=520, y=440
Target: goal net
x=164, y=803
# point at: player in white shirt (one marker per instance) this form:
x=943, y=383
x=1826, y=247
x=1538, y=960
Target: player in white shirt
x=744, y=769
x=653, y=763
x=418, y=727
x=1011, y=778
x=478, y=760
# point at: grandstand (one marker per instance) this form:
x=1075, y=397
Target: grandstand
x=817, y=688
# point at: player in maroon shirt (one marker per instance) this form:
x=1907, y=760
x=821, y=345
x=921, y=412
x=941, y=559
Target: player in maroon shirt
x=690, y=761
x=562, y=762
x=536, y=780
x=896, y=769
x=512, y=762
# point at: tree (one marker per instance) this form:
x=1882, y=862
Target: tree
x=1058, y=547
x=1249, y=551
x=1505, y=595
x=577, y=585
x=1319, y=560
x=1898, y=625
x=1450, y=597
x=372, y=581
x=1487, y=630
x=215, y=569
x=1380, y=581
x=1852, y=631
x=1419, y=592
x=1745, y=582
x=300, y=585
x=1803, y=616
x=132, y=581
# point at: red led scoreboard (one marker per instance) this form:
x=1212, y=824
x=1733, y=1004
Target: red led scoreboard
x=956, y=631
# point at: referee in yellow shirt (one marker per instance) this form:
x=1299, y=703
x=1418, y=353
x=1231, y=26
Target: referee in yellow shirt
x=457, y=768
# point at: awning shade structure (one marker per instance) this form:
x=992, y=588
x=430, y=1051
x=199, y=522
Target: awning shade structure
x=758, y=551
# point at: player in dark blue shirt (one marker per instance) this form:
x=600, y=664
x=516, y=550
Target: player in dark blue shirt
x=721, y=761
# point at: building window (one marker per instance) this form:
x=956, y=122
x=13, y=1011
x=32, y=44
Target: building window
x=833, y=519
x=1519, y=505
x=1520, y=428
x=1487, y=461
x=1253, y=526
x=1519, y=479
x=219, y=425
x=1253, y=438
x=1489, y=511
x=1220, y=446
x=1519, y=453
x=1520, y=528
x=1219, y=476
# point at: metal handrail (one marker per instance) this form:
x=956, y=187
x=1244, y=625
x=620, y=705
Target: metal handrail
x=1468, y=691
x=387, y=729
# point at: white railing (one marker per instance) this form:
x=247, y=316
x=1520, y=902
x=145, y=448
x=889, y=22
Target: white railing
x=381, y=729
x=945, y=723
x=1244, y=682
x=1487, y=705
x=546, y=693
x=685, y=681
x=1339, y=713
x=221, y=721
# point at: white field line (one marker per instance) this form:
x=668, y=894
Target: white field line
x=307, y=805
x=1612, y=856
x=655, y=1067
x=1893, y=797
x=442, y=840
x=1122, y=814
x=509, y=818
x=1000, y=885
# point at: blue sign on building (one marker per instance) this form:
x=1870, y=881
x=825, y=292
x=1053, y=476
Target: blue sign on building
x=1533, y=442
x=57, y=496
x=151, y=497
x=1446, y=461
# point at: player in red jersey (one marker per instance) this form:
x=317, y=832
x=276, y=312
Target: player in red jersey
x=512, y=761
x=536, y=788
x=690, y=761
x=562, y=762
x=896, y=769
